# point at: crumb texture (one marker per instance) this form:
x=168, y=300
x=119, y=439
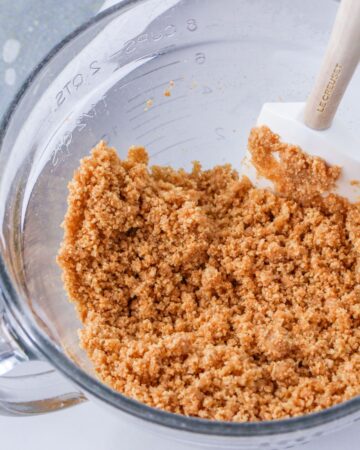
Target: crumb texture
x=293, y=172
x=203, y=295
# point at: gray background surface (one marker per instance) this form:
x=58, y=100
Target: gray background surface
x=28, y=30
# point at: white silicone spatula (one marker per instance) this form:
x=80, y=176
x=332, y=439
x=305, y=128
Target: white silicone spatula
x=312, y=125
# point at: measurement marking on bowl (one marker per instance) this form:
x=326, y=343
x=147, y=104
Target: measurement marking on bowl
x=159, y=105
x=151, y=90
x=166, y=83
x=156, y=69
x=145, y=122
x=58, y=147
x=147, y=144
x=127, y=83
x=166, y=32
x=138, y=105
x=173, y=145
x=161, y=125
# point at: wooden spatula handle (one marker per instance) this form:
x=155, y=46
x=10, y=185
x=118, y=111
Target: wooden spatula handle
x=341, y=59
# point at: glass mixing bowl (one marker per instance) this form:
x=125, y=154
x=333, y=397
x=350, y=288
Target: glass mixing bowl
x=226, y=59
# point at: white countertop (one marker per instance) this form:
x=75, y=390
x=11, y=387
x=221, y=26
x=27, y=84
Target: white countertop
x=89, y=427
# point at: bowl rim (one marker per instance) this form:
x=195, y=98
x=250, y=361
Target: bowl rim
x=52, y=353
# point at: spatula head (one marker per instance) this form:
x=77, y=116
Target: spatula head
x=336, y=145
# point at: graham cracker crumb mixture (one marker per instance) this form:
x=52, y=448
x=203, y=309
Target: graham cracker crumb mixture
x=294, y=173
x=203, y=295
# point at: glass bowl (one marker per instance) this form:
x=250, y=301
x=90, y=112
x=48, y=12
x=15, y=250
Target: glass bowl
x=224, y=60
